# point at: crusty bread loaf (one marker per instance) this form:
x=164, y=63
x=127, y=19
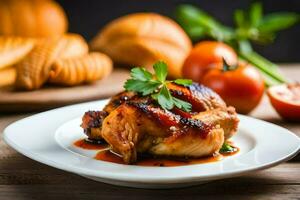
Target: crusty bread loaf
x=141, y=39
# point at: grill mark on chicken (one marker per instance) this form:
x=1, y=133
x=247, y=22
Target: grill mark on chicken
x=201, y=97
x=123, y=98
x=118, y=100
x=173, y=123
x=92, y=122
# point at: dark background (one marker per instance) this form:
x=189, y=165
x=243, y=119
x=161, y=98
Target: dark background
x=88, y=16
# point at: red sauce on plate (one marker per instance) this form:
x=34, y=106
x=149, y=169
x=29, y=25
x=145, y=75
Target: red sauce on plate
x=91, y=145
x=108, y=156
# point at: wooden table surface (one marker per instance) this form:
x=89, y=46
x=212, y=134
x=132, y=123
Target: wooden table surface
x=23, y=178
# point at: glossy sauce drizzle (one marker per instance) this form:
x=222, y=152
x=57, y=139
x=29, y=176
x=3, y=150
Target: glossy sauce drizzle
x=147, y=160
x=91, y=145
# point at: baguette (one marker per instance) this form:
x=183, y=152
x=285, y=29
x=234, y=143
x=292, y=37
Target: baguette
x=141, y=39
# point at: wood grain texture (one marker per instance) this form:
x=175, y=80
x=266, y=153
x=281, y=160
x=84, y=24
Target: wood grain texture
x=51, y=97
x=23, y=178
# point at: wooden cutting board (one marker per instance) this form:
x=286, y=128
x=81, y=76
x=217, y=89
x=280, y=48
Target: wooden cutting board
x=51, y=97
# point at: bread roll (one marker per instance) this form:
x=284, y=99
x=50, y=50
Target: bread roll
x=142, y=39
x=33, y=71
x=83, y=69
x=32, y=18
x=75, y=46
x=7, y=76
x=13, y=49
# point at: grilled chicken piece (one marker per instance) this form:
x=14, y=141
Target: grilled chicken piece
x=92, y=120
x=225, y=118
x=132, y=124
x=92, y=124
x=137, y=127
x=201, y=98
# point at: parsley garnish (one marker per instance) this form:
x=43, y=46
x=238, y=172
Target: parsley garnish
x=146, y=83
x=226, y=148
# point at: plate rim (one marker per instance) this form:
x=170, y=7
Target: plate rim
x=111, y=176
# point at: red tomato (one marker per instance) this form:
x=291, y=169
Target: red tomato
x=242, y=87
x=286, y=100
x=204, y=56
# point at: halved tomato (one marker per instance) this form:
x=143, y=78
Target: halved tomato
x=286, y=100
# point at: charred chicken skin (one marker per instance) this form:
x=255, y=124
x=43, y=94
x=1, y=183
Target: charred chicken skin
x=132, y=124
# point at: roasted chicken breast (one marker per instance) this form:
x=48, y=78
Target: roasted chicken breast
x=132, y=124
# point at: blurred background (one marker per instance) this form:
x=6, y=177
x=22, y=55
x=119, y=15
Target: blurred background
x=240, y=27
x=88, y=17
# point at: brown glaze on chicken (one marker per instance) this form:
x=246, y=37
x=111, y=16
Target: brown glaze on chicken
x=201, y=97
x=92, y=123
x=132, y=124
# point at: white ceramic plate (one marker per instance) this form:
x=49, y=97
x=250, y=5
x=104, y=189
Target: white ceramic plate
x=48, y=137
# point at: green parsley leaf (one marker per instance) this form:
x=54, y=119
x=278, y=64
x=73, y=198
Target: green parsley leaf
x=135, y=85
x=154, y=96
x=152, y=87
x=146, y=83
x=226, y=148
x=143, y=87
x=165, y=99
x=140, y=74
x=183, y=105
x=161, y=71
x=184, y=82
